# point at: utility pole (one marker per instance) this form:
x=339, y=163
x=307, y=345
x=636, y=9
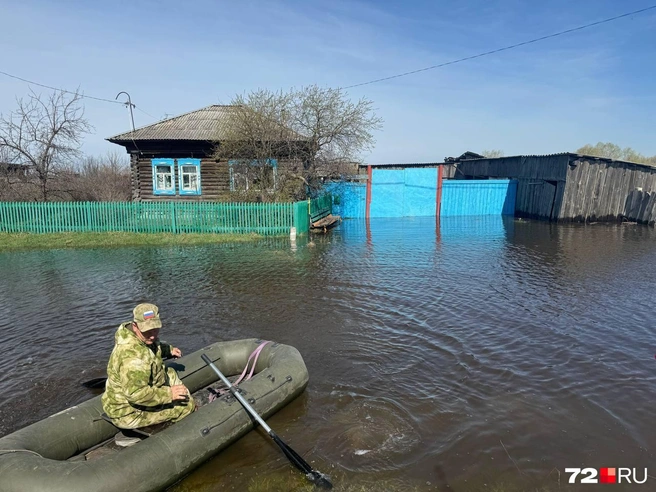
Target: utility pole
x=129, y=105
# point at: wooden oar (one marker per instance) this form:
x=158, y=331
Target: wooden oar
x=317, y=478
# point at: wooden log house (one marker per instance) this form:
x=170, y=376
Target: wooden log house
x=174, y=159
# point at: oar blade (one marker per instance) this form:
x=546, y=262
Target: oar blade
x=317, y=478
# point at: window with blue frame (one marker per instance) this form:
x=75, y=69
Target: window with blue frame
x=189, y=176
x=253, y=175
x=163, y=177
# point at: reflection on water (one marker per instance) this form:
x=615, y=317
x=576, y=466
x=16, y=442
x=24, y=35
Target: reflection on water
x=477, y=352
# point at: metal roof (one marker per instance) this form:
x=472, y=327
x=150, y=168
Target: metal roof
x=608, y=159
x=572, y=154
x=404, y=164
x=208, y=124
x=457, y=160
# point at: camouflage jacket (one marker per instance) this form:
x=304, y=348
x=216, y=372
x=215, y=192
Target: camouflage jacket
x=136, y=375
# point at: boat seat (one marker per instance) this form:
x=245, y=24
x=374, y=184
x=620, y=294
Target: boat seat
x=122, y=439
x=142, y=432
x=178, y=450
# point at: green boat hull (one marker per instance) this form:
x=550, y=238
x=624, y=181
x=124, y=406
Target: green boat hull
x=38, y=457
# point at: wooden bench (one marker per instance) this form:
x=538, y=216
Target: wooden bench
x=323, y=220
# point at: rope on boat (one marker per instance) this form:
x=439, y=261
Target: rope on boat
x=256, y=353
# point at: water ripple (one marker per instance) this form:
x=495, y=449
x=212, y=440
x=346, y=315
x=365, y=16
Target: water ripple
x=433, y=352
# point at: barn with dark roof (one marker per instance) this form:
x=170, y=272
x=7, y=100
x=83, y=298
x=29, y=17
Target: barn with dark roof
x=569, y=186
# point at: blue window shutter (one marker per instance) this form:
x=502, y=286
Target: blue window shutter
x=163, y=176
x=189, y=177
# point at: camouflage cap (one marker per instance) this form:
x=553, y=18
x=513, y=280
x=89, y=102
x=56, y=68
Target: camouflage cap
x=146, y=316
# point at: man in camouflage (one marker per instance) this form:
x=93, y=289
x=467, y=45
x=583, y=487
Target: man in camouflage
x=140, y=390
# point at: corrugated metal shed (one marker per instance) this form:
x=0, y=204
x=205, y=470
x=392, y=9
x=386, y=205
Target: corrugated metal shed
x=564, y=186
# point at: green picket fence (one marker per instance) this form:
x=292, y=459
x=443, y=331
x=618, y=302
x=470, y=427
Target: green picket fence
x=320, y=206
x=152, y=217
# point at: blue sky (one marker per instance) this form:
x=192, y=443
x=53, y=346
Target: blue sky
x=173, y=57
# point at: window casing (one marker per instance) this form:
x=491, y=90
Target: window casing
x=189, y=176
x=163, y=176
x=253, y=175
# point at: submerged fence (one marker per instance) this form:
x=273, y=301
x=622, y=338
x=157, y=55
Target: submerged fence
x=152, y=217
x=320, y=206
x=414, y=193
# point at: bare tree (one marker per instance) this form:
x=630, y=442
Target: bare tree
x=8, y=178
x=493, y=153
x=45, y=134
x=102, y=179
x=314, y=133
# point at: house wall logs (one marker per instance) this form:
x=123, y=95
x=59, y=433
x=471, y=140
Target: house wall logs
x=214, y=174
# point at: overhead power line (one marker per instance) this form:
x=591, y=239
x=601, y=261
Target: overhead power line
x=404, y=74
x=147, y=114
x=73, y=92
x=506, y=48
x=57, y=89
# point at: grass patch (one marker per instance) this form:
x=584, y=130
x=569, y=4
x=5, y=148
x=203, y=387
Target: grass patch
x=65, y=240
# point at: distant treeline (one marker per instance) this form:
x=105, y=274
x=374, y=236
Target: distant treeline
x=601, y=149
x=612, y=151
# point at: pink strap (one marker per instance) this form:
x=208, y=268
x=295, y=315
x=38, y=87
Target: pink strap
x=256, y=354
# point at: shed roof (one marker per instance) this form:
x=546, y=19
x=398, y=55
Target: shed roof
x=209, y=124
x=403, y=164
x=570, y=154
x=467, y=158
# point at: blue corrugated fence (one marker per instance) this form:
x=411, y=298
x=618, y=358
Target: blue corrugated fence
x=413, y=193
x=478, y=197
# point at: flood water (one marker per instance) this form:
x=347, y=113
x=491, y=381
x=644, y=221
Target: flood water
x=480, y=354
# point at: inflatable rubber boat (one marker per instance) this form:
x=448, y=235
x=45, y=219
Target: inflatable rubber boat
x=63, y=451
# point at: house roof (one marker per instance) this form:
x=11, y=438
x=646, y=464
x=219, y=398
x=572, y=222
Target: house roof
x=13, y=165
x=206, y=124
x=209, y=124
